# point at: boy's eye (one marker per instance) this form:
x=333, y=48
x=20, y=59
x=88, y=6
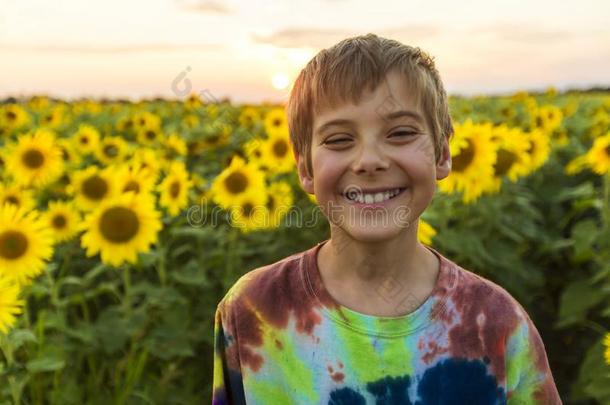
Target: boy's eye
x=337, y=140
x=408, y=133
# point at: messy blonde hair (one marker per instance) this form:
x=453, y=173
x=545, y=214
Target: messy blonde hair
x=342, y=72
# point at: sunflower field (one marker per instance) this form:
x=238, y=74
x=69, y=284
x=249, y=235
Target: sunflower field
x=122, y=225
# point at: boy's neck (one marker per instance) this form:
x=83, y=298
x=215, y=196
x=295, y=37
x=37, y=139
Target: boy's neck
x=374, y=279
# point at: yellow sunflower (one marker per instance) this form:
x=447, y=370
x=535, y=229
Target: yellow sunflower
x=91, y=186
x=539, y=149
x=36, y=159
x=473, y=154
x=546, y=118
x=122, y=227
x=174, y=189
x=112, y=149
x=25, y=244
x=17, y=195
x=63, y=219
x=248, y=117
x=146, y=120
x=250, y=216
x=72, y=158
x=53, y=118
x=277, y=153
x=149, y=136
x=191, y=121
x=13, y=116
x=133, y=177
x=276, y=122
x=86, y=139
x=597, y=158
x=175, y=145
x=425, y=232
x=237, y=182
x=10, y=304
x=512, y=158
x=148, y=161
x=280, y=201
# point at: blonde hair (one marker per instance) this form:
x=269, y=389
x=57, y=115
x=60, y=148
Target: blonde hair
x=342, y=72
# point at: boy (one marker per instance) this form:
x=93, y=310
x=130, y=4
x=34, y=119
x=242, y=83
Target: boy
x=371, y=316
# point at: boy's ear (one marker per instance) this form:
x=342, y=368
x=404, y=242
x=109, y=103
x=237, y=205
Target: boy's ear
x=443, y=166
x=304, y=177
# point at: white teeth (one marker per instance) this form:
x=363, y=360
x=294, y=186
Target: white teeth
x=372, y=198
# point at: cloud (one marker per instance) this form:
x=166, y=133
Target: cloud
x=322, y=38
x=78, y=48
x=207, y=7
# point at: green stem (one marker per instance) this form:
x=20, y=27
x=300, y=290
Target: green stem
x=7, y=351
x=127, y=288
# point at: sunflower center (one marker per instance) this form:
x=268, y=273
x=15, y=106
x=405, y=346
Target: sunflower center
x=532, y=148
x=150, y=135
x=84, y=140
x=608, y=150
x=270, y=203
x=95, y=188
x=12, y=245
x=236, y=182
x=277, y=122
x=248, y=209
x=539, y=122
x=504, y=162
x=33, y=159
x=174, y=189
x=11, y=116
x=132, y=186
x=280, y=148
x=463, y=159
x=59, y=221
x=12, y=199
x=119, y=224
x=111, y=150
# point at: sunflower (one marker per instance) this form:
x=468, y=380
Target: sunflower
x=191, y=121
x=175, y=188
x=277, y=152
x=146, y=120
x=473, y=155
x=133, y=177
x=13, y=116
x=10, y=304
x=17, y=195
x=54, y=118
x=248, y=117
x=276, y=122
x=546, y=118
x=90, y=186
x=112, y=149
x=86, y=139
x=69, y=153
x=425, y=232
x=279, y=202
x=36, y=159
x=175, y=145
x=512, y=157
x=148, y=162
x=193, y=101
x=597, y=158
x=250, y=216
x=122, y=227
x=149, y=136
x=220, y=135
x=254, y=153
x=25, y=244
x=539, y=149
x=125, y=124
x=63, y=219
x=238, y=182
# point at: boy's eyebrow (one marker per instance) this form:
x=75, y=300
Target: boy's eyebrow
x=391, y=116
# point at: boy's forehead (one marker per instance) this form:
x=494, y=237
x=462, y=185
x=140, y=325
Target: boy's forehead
x=392, y=98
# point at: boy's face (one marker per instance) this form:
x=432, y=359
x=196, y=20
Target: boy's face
x=384, y=143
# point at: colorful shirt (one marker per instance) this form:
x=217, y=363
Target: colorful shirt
x=281, y=338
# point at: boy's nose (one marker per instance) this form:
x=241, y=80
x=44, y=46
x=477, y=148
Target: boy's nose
x=370, y=159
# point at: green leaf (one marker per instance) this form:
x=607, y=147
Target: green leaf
x=18, y=337
x=584, y=234
x=576, y=300
x=42, y=364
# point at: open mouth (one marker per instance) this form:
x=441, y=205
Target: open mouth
x=372, y=199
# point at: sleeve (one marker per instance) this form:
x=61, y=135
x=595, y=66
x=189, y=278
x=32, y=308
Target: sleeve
x=227, y=385
x=529, y=379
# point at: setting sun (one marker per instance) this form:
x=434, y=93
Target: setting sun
x=280, y=81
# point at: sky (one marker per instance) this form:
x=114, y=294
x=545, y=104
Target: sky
x=250, y=51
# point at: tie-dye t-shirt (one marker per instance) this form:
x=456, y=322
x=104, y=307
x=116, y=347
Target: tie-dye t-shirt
x=281, y=338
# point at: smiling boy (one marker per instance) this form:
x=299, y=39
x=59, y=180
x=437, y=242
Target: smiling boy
x=372, y=316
